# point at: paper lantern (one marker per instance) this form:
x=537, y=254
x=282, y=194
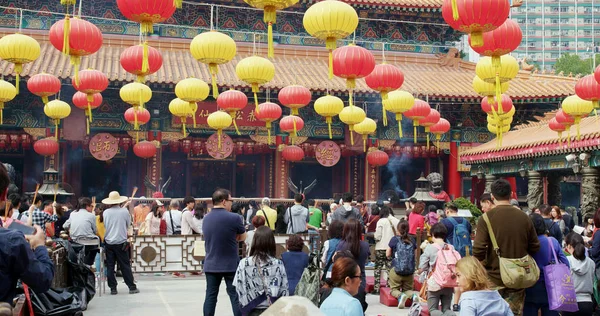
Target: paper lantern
x=365, y=128
x=500, y=41
x=213, y=48
x=587, y=88
x=255, y=71
x=291, y=124
x=440, y=128
x=417, y=112
x=489, y=108
x=475, y=17
x=141, y=60
x=329, y=106
x=294, y=97
x=135, y=93
x=7, y=93
x=292, y=153
x=329, y=21
x=385, y=78
x=91, y=82
x=146, y=12
x=231, y=102
x=144, y=149
x=352, y=62
x=554, y=125
x=19, y=49
x=398, y=102
x=43, y=85
x=431, y=119
x=219, y=120
x=46, y=146
x=488, y=90
x=500, y=121
x=81, y=101
x=268, y=113
x=137, y=116
x=377, y=158
x=182, y=110
x=192, y=90
x=352, y=115
x=57, y=110
x=269, y=8
x=76, y=38
x=497, y=75
x=577, y=108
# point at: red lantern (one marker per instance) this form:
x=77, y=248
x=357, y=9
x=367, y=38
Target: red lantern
x=91, y=81
x=144, y=149
x=385, y=78
x=46, y=146
x=146, y=12
x=232, y=101
x=292, y=153
x=377, y=158
x=554, y=125
x=352, y=62
x=81, y=101
x=440, y=128
x=507, y=104
x=82, y=38
x=174, y=146
x=141, y=60
x=431, y=119
x=564, y=118
x=268, y=112
x=295, y=97
x=186, y=146
x=291, y=124
x=137, y=115
x=475, y=16
x=500, y=41
x=588, y=89
x=25, y=141
x=419, y=111
x=43, y=85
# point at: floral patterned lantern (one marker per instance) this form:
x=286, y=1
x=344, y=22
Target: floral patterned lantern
x=146, y=12
x=352, y=115
x=192, y=90
x=329, y=106
x=43, y=85
x=385, y=78
x=440, y=128
x=232, y=101
x=292, y=153
x=141, y=60
x=291, y=124
x=398, y=102
x=268, y=113
x=81, y=101
x=294, y=97
x=352, y=62
x=417, y=112
x=255, y=71
x=57, y=110
x=365, y=128
x=19, y=49
x=270, y=7
x=213, y=48
x=219, y=120
x=475, y=16
x=7, y=93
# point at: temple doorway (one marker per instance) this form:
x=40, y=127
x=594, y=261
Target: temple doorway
x=304, y=173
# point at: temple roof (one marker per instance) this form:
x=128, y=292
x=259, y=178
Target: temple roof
x=537, y=140
x=425, y=74
x=432, y=4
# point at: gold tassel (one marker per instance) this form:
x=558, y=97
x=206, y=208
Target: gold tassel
x=147, y=28
x=365, y=143
x=270, y=17
x=183, y=120
x=560, y=139
x=233, y=115
x=89, y=110
x=569, y=137
x=399, y=119
x=499, y=94
x=255, y=91
x=45, y=100
x=137, y=137
x=213, y=74
x=328, y=120
x=18, y=70
x=87, y=125
x=476, y=39
x=219, y=135
x=350, y=103
x=66, y=35
x=437, y=142
x=145, y=63
x=415, y=124
x=268, y=126
x=76, y=61
x=427, y=133
x=193, y=113
x=384, y=115
x=330, y=43
x=56, y=128
x=178, y=3
x=67, y=2
x=455, y=15
x=295, y=130
x=141, y=79
x=1, y=113
x=351, y=128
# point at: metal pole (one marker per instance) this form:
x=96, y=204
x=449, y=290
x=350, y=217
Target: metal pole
x=543, y=36
x=559, y=31
x=576, y=30
x=526, y=30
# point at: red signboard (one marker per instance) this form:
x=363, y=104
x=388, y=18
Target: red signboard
x=104, y=146
x=245, y=117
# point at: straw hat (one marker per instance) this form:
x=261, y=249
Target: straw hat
x=114, y=198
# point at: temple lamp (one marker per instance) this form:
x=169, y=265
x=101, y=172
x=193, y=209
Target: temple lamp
x=576, y=166
x=523, y=169
x=480, y=173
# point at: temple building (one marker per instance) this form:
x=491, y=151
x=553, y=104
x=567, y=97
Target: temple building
x=103, y=161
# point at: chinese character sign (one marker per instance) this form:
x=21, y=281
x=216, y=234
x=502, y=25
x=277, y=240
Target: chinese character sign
x=245, y=117
x=328, y=153
x=104, y=146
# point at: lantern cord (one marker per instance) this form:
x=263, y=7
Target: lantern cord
x=178, y=3
x=499, y=94
x=135, y=119
x=21, y=20
x=271, y=50
x=437, y=142
x=295, y=129
x=351, y=134
x=56, y=128
x=255, y=91
x=66, y=34
x=219, y=136
x=137, y=137
x=415, y=124
x=354, y=37
x=350, y=103
x=383, y=52
x=385, y=121
x=233, y=115
x=399, y=119
x=212, y=17
x=80, y=3
x=145, y=64
x=214, y=68
x=1, y=113
x=253, y=43
x=328, y=120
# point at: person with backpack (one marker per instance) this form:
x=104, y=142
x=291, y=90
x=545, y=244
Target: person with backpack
x=582, y=272
x=439, y=260
x=334, y=233
x=296, y=217
x=385, y=231
x=294, y=260
x=552, y=226
x=401, y=251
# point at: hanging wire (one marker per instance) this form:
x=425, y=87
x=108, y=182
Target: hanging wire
x=383, y=52
x=80, y=3
x=253, y=43
x=212, y=17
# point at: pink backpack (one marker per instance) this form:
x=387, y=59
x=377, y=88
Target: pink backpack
x=445, y=266
x=432, y=218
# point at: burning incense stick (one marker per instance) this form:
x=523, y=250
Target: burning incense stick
x=55, y=191
x=30, y=218
x=134, y=192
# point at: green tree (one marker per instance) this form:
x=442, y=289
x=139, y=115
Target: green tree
x=463, y=203
x=572, y=63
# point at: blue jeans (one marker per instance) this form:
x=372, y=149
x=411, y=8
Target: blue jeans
x=213, y=281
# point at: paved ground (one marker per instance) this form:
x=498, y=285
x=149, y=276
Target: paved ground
x=168, y=296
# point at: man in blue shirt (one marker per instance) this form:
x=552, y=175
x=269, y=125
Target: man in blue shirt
x=222, y=232
x=17, y=259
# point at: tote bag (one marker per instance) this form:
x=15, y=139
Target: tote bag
x=559, y=285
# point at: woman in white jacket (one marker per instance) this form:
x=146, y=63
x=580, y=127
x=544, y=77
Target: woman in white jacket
x=385, y=231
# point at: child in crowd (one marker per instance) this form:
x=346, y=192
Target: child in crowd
x=582, y=273
x=477, y=298
x=401, y=276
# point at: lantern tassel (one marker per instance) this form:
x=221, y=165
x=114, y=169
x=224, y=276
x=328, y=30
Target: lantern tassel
x=213, y=74
x=270, y=17
x=385, y=123
x=135, y=120
x=18, y=70
x=233, y=115
x=76, y=62
x=569, y=137
x=268, y=126
x=499, y=94
x=455, y=15
x=330, y=43
x=66, y=35
x=255, y=91
x=350, y=103
x=145, y=64
x=146, y=27
x=351, y=135
x=87, y=125
x=437, y=142
x=219, y=136
x=365, y=143
x=56, y=128
x=560, y=139
x=141, y=79
x=271, y=52
x=193, y=116
x=45, y=100
x=1, y=113
x=90, y=99
x=427, y=133
x=415, y=124
x=89, y=111
x=328, y=120
x=477, y=39
x=399, y=119
x=183, y=119
x=137, y=137
x=178, y=3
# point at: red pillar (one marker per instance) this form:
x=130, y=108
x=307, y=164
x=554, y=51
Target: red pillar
x=454, y=178
x=513, y=186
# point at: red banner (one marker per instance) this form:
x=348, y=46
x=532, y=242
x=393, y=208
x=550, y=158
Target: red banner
x=245, y=117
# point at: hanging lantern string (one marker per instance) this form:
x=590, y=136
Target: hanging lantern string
x=212, y=17
x=383, y=52
x=80, y=3
x=253, y=43
x=20, y=20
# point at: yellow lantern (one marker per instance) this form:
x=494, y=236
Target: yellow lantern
x=501, y=121
x=181, y=109
x=488, y=90
x=329, y=106
x=494, y=74
x=7, y=93
x=219, y=120
x=269, y=8
x=365, y=128
x=255, y=71
x=578, y=108
x=192, y=90
x=398, y=102
x=213, y=48
x=136, y=94
x=19, y=49
x=352, y=115
x=57, y=110
x=329, y=21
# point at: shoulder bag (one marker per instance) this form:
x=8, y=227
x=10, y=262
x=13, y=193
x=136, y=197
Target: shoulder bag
x=175, y=231
x=518, y=273
x=266, y=218
x=559, y=284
